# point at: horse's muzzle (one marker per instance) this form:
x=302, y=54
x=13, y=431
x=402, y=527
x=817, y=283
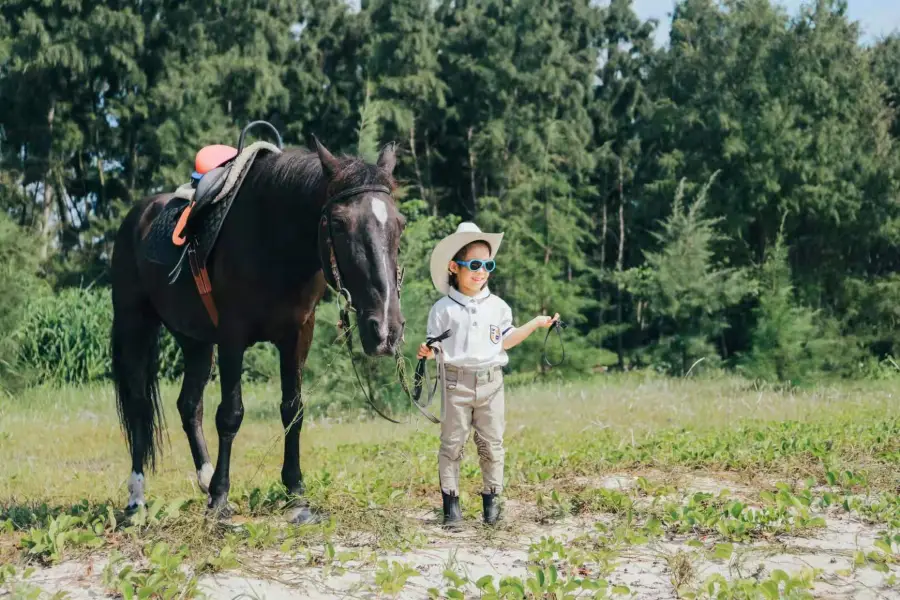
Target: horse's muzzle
x=379, y=339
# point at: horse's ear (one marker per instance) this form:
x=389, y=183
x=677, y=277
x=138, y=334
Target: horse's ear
x=387, y=159
x=330, y=164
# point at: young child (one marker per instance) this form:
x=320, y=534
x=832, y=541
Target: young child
x=481, y=332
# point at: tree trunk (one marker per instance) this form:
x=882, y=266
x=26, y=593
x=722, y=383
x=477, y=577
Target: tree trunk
x=547, y=250
x=620, y=350
x=434, y=206
x=412, y=149
x=604, y=225
x=46, y=225
x=133, y=165
x=471, y=172
x=47, y=214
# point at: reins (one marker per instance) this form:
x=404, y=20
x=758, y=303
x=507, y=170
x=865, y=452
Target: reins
x=344, y=325
x=421, y=377
x=558, y=326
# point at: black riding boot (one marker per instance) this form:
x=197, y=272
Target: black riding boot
x=452, y=514
x=491, y=505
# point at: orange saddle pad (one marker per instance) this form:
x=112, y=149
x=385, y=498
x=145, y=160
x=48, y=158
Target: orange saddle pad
x=210, y=157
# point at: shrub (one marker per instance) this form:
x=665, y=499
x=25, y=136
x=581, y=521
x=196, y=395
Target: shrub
x=19, y=285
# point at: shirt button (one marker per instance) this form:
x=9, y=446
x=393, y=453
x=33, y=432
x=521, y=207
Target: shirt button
x=475, y=324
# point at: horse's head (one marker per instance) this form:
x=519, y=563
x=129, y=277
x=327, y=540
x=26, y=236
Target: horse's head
x=363, y=225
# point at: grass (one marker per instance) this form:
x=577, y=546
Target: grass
x=63, y=472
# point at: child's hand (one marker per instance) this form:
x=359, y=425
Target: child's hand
x=425, y=352
x=544, y=321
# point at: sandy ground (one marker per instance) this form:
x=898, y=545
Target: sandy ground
x=644, y=569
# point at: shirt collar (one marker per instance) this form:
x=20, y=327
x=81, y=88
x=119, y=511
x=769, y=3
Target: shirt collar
x=461, y=298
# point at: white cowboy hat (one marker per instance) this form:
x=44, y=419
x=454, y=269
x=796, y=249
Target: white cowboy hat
x=447, y=248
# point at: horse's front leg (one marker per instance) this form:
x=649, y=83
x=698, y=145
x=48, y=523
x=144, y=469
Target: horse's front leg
x=228, y=421
x=293, y=351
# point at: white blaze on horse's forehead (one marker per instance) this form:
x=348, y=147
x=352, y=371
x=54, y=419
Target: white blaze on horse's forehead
x=387, y=297
x=379, y=209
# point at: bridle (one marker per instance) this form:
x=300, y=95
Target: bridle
x=326, y=236
x=325, y=229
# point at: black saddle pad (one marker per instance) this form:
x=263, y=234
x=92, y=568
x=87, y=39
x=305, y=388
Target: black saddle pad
x=158, y=246
x=204, y=229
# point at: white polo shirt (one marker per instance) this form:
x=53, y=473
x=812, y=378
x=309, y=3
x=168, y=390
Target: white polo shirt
x=478, y=326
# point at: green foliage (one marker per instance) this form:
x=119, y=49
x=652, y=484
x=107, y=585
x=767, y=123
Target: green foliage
x=558, y=123
x=64, y=531
x=65, y=338
x=789, y=342
x=20, y=285
x=685, y=290
x=163, y=578
x=845, y=444
x=779, y=585
x=886, y=66
x=369, y=128
x=391, y=578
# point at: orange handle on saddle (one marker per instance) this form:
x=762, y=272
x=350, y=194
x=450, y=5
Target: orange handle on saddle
x=177, y=238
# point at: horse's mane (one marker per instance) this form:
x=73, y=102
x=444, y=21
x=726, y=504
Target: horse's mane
x=300, y=168
x=295, y=167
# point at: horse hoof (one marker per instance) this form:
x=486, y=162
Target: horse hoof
x=219, y=510
x=303, y=515
x=131, y=509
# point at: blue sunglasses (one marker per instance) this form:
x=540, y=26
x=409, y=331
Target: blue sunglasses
x=475, y=265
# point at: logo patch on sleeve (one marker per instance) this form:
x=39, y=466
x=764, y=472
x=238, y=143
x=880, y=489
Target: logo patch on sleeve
x=495, y=334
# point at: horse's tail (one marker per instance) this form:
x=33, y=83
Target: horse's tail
x=135, y=356
x=135, y=366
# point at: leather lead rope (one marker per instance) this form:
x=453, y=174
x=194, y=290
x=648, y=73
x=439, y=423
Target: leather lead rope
x=421, y=378
x=558, y=327
x=344, y=326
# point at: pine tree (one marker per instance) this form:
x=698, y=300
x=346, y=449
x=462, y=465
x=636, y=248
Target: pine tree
x=620, y=106
x=686, y=290
x=403, y=64
x=522, y=142
x=886, y=66
x=325, y=74
x=789, y=344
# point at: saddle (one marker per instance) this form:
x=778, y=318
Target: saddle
x=189, y=224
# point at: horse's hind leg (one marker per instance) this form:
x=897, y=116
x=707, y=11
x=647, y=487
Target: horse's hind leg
x=135, y=352
x=198, y=358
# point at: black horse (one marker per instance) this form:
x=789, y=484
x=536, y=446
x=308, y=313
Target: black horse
x=293, y=212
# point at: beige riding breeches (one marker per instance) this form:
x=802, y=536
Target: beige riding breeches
x=473, y=399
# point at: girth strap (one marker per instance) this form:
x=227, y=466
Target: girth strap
x=204, y=286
